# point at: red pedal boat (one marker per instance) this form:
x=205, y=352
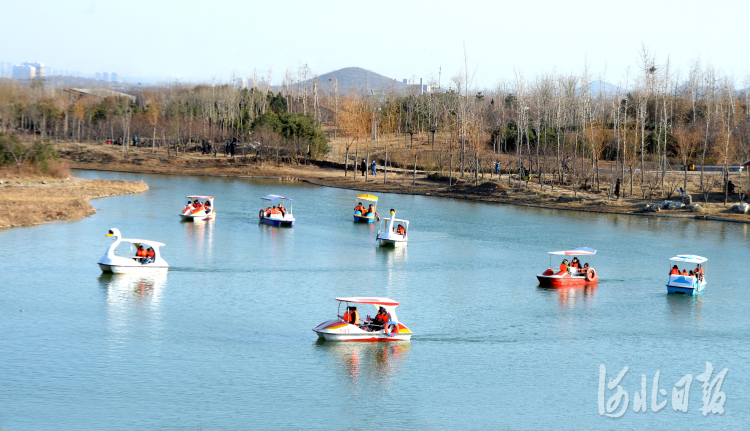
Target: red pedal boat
x=568, y=274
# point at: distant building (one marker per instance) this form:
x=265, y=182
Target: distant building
x=409, y=81
x=24, y=72
x=2, y=68
x=105, y=76
x=240, y=83
x=98, y=76
x=99, y=93
x=115, y=77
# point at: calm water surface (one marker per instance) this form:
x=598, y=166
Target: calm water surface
x=224, y=340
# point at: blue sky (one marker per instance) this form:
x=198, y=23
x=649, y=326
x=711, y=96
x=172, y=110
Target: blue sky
x=192, y=41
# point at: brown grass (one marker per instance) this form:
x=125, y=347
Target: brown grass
x=30, y=201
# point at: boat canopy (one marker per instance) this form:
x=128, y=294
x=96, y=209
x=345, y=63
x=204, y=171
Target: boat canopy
x=368, y=300
x=199, y=197
x=275, y=198
x=366, y=197
x=689, y=258
x=580, y=251
x=145, y=242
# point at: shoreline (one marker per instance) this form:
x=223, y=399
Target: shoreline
x=434, y=193
x=139, y=160
x=37, y=201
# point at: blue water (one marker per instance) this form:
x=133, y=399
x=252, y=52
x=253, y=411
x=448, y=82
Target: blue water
x=224, y=340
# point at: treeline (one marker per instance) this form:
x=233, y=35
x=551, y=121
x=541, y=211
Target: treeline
x=177, y=117
x=552, y=129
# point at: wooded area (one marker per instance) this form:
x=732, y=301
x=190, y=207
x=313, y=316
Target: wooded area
x=548, y=131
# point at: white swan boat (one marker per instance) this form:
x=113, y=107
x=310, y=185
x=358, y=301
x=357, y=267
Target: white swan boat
x=111, y=262
x=349, y=327
x=394, y=236
x=195, y=210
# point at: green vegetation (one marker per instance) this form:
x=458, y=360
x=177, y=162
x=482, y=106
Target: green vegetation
x=298, y=132
x=37, y=154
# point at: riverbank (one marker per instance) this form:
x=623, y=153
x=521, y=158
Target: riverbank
x=29, y=201
x=507, y=190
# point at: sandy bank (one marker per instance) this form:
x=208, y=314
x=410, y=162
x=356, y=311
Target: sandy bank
x=32, y=201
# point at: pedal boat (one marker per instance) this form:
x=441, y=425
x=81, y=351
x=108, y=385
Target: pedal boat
x=686, y=284
x=370, y=217
x=111, y=262
x=563, y=278
x=389, y=237
x=285, y=220
x=202, y=213
x=339, y=330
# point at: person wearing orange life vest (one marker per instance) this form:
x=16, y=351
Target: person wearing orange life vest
x=564, y=266
x=207, y=206
x=282, y=210
x=381, y=319
x=674, y=271
x=353, y=316
x=141, y=253
x=347, y=314
x=699, y=272
x=196, y=204
x=360, y=208
x=684, y=272
x=400, y=230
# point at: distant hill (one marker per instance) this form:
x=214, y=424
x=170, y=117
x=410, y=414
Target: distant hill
x=358, y=79
x=596, y=86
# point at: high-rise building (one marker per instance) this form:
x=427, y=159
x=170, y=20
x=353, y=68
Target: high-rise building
x=115, y=77
x=240, y=82
x=24, y=72
x=98, y=75
x=105, y=76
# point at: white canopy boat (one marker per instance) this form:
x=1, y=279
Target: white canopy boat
x=276, y=215
x=197, y=211
x=687, y=284
x=111, y=262
x=349, y=327
x=392, y=235
x=569, y=274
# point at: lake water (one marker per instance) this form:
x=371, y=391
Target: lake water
x=224, y=340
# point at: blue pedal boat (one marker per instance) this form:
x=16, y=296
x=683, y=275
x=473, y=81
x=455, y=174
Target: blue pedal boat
x=274, y=214
x=369, y=216
x=687, y=284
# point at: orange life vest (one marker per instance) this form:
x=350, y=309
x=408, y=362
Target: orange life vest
x=400, y=230
x=141, y=253
x=347, y=317
x=674, y=271
x=563, y=267
x=684, y=272
x=150, y=254
x=354, y=317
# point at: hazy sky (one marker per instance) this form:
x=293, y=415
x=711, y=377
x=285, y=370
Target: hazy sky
x=201, y=40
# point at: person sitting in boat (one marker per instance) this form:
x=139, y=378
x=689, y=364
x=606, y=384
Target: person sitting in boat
x=282, y=210
x=148, y=257
x=674, y=271
x=575, y=263
x=196, y=204
x=699, y=272
x=141, y=253
x=684, y=272
x=351, y=316
x=380, y=319
x=371, y=210
x=564, y=266
x=189, y=204
x=207, y=206
x=400, y=230
x=691, y=273
x=360, y=208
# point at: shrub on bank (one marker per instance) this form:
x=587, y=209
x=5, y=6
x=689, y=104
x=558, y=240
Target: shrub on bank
x=35, y=158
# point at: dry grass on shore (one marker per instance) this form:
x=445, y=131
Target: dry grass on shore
x=32, y=200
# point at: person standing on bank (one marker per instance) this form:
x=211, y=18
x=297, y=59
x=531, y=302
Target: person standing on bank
x=233, y=147
x=374, y=166
x=363, y=167
x=617, y=189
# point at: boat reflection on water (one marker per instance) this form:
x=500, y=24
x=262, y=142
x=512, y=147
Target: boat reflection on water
x=133, y=287
x=200, y=239
x=393, y=260
x=685, y=309
x=367, y=360
x=133, y=302
x=571, y=296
